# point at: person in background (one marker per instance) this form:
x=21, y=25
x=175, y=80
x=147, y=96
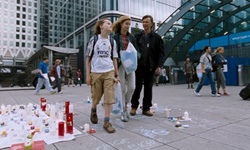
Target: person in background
x=70, y=77
x=189, y=72
x=57, y=72
x=122, y=38
x=162, y=78
x=43, y=78
x=220, y=61
x=151, y=48
x=63, y=75
x=102, y=71
x=206, y=65
x=79, y=77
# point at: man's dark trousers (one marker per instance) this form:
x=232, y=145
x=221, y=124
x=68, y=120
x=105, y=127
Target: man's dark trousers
x=143, y=76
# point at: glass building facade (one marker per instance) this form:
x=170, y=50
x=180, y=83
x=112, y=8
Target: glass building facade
x=71, y=25
x=19, y=30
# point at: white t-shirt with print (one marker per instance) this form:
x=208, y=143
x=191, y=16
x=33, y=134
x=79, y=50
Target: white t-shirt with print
x=101, y=61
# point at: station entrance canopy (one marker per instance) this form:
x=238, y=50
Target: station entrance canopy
x=195, y=20
x=50, y=52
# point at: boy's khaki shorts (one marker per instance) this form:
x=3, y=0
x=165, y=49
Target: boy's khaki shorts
x=103, y=83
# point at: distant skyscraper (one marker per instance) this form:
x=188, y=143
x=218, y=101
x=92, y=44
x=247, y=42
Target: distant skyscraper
x=18, y=30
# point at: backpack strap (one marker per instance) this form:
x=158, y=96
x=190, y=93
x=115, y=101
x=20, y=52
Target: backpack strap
x=112, y=46
x=95, y=40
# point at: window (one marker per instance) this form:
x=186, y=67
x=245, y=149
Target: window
x=11, y=43
x=18, y=8
x=34, y=38
x=29, y=10
x=5, y=35
x=29, y=4
x=18, y=22
x=18, y=1
x=11, y=35
x=5, y=43
x=17, y=44
x=24, y=9
x=6, y=6
x=23, y=44
x=23, y=23
x=24, y=16
x=17, y=29
x=23, y=37
x=18, y=15
x=34, y=31
x=17, y=36
x=23, y=30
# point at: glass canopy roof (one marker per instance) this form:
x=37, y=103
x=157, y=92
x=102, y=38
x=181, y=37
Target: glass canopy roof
x=202, y=19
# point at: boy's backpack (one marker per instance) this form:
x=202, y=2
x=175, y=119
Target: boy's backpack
x=111, y=42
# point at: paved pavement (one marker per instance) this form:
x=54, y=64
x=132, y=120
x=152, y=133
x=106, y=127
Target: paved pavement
x=218, y=123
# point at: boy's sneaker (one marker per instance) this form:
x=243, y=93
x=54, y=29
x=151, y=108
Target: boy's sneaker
x=60, y=92
x=124, y=117
x=108, y=127
x=52, y=92
x=127, y=114
x=37, y=93
x=197, y=93
x=216, y=95
x=93, y=116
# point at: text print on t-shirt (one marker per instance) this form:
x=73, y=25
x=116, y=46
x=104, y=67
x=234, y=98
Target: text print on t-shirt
x=103, y=49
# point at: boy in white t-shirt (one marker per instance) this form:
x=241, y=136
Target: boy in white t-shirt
x=102, y=70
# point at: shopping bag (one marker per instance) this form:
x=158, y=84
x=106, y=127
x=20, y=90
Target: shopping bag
x=117, y=107
x=199, y=71
x=129, y=58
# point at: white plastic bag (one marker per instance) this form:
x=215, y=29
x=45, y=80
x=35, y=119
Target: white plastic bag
x=129, y=58
x=199, y=71
x=118, y=106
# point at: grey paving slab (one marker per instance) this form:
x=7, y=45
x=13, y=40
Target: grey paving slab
x=197, y=143
x=228, y=138
x=217, y=122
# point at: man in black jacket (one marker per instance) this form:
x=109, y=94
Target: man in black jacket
x=152, y=58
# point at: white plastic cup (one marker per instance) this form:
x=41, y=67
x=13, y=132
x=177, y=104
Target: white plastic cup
x=167, y=112
x=186, y=116
x=86, y=127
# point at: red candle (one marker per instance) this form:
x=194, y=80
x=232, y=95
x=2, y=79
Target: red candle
x=69, y=123
x=41, y=100
x=66, y=107
x=60, y=128
x=43, y=104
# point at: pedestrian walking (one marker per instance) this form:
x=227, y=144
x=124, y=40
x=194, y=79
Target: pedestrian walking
x=79, y=77
x=57, y=72
x=101, y=71
x=70, y=77
x=206, y=65
x=43, y=78
x=151, y=49
x=220, y=61
x=123, y=38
